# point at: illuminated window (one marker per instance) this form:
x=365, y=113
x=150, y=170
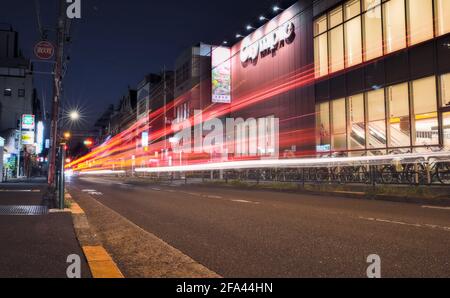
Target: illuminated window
x=442, y=8
x=352, y=9
x=370, y=4
x=320, y=25
x=321, y=55
x=373, y=33
x=425, y=112
x=399, y=121
x=394, y=25
x=335, y=17
x=376, y=113
x=356, y=123
x=353, y=46
x=420, y=21
x=339, y=126
x=446, y=132
x=445, y=90
x=323, y=126
x=336, y=49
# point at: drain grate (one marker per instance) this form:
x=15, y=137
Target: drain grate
x=23, y=210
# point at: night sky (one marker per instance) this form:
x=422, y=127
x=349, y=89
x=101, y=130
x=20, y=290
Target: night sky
x=117, y=42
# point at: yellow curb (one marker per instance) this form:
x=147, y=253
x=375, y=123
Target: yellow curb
x=76, y=209
x=101, y=263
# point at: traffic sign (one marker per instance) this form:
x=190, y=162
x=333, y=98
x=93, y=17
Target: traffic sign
x=44, y=50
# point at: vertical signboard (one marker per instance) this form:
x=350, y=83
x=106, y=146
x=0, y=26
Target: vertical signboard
x=28, y=129
x=221, y=75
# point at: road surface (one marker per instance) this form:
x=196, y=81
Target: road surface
x=242, y=233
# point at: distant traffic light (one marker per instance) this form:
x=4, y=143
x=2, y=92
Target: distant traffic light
x=88, y=142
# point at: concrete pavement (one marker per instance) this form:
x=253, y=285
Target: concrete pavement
x=238, y=233
x=35, y=246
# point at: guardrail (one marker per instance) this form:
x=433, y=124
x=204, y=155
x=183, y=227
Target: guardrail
x=412, y=169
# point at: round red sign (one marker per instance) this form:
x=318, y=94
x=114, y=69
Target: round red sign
x=44, y=50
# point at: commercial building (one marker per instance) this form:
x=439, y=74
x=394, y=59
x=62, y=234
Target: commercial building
x=349, y=77
x=17, y=97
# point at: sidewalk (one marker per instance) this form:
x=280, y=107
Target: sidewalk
x=34, y=244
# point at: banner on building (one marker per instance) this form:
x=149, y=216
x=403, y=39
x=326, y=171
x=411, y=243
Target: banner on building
x=28, y=122
x=221, y=75
x=28, y=137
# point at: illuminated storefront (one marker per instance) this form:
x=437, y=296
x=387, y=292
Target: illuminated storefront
x=355, y=77
x=382, y=72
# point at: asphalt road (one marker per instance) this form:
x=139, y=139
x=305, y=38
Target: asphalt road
x=240, y=233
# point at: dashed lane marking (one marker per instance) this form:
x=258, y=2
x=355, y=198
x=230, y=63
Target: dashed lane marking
x=436, y=207
x=244, y=202
x=20, y=190
x=416, y=225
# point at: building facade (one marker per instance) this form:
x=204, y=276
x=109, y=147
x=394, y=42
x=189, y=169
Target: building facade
x=17, y=97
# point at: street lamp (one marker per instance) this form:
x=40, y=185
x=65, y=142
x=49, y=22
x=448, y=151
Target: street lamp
x=263, y=18
x=74, y=116
x=250, y=27
x=277, y=8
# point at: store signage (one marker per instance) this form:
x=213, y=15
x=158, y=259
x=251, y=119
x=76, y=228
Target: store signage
x=250, y=50
x=28, y=138
x=221, y=75
x=145, y=139
x=44, y=50
x=28, y=122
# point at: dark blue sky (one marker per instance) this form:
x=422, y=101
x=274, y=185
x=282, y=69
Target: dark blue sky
x=117, y=42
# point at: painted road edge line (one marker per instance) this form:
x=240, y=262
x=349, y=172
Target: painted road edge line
x=100, y=262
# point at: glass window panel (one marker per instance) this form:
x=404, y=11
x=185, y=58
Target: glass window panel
x=373, y=34
x=420, y=20
x=353, y=46
x=445, y=90
x=336, y=48
x=377, y=119
x=321, y=55
x=446, y=126
x=394, y=25
x=339, y=126
x=357, y=124
x=399, y=120
x=370, y=4
x=335, y=17
x=320, y=25
x=352, y=9
x=376, y=105
x=424, y=95
x=443, y=16
x=425, y=115
x=323, y=124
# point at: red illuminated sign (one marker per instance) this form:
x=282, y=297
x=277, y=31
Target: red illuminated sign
x=44, y=50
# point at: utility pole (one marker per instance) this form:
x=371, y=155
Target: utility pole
x=57, y=90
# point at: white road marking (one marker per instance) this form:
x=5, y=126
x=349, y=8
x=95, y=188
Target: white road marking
x=89, y=190
x=214, y=197
x=19, y=190
x=436, y=207
x=416, y=225
x=156, y=189
x=95, y=193
x=244, y=202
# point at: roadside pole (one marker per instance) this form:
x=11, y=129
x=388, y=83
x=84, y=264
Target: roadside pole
x=62, y=189
x=57, y=91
